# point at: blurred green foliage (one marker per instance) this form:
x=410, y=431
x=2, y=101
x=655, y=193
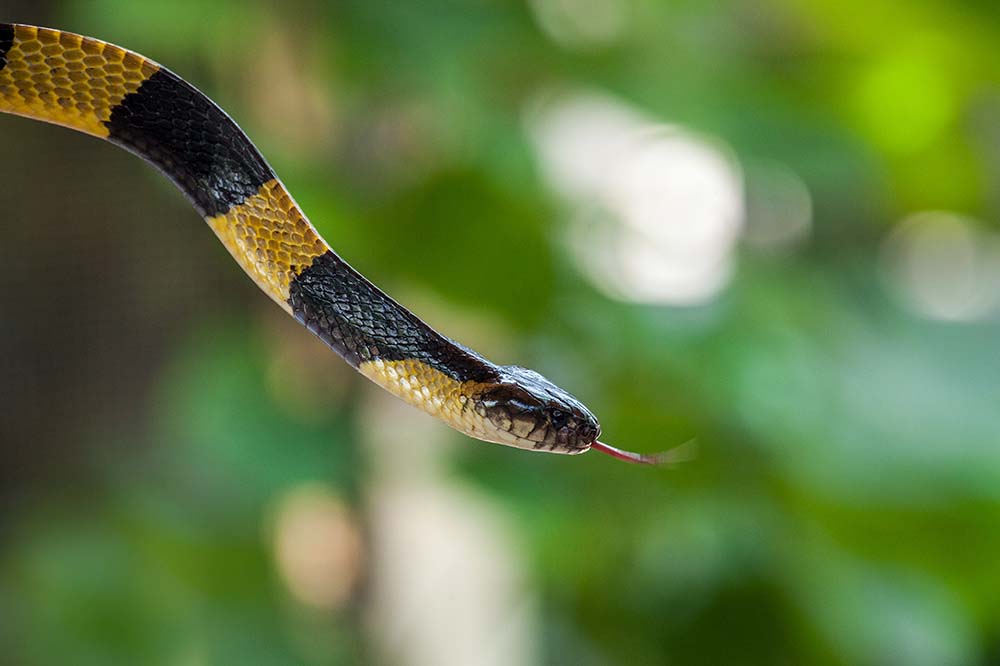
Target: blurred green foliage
x=844, y=507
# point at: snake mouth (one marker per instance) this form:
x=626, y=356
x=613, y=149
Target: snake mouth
x=590, y=432
x=541, y=431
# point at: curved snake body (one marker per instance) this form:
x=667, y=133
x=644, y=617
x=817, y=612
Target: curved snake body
x=117, y=95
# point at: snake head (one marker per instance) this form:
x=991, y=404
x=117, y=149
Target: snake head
x=528, y=411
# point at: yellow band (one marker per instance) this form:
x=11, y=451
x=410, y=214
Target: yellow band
x=67, y=79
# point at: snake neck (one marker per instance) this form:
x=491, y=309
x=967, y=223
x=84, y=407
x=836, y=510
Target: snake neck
x=362, y=324
x=392, y=347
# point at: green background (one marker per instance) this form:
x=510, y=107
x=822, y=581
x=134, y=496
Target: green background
x=157, y=410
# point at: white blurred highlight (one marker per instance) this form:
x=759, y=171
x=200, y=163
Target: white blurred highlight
x=317, y=546
x=779, y=207
x=944, y=266
x=448, y=583
x=582, y=24
x=658, y=208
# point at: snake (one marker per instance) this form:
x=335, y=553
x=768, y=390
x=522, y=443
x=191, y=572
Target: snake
x=109, y=92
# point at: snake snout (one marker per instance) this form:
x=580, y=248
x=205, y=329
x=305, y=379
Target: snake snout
x=569, y=427
x=585, y=432
x=590, y=431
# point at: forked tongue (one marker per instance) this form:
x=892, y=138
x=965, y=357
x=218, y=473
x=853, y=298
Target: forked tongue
x=683, y=453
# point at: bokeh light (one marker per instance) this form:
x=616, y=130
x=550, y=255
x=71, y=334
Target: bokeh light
x=657, y=210
x=944, y=266
x=448, y=582
x=317, y=547
x=779, y=208
x=583, y=24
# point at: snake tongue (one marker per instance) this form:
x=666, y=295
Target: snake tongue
x=683, y=453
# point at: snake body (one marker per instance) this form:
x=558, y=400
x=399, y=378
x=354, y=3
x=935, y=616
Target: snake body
x=120, y=96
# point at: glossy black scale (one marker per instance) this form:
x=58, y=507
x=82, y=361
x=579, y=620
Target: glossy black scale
x=6, y=42
x=361, y=323
x=192, y=141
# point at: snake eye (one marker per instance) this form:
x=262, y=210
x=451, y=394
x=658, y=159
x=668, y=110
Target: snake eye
x=558, y=418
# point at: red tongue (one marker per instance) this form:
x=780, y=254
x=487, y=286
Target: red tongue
x=679, y=454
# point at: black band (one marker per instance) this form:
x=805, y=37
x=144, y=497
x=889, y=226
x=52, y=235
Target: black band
x=178, y=129
x=6, y=42
x=361, y=323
